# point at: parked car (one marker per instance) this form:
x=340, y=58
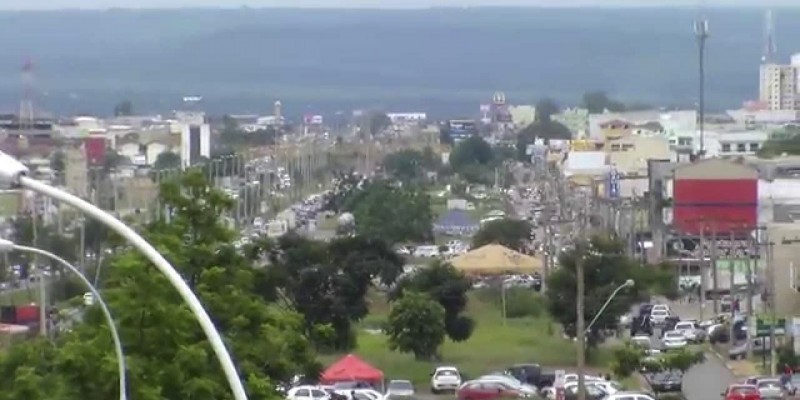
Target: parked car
x=673, y=340
x=356, y=394
x=593, y=392
x=307, y=393
x=445, y=378
x=629, y=396
x=770, y=388
x=485, y=390
x=691, y=331
x=741, y=392
x=658, y=317
x=510, y=381
x=526, y=373
x=399, y=387
x=665, y=381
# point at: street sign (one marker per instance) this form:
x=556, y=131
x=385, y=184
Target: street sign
x=764, y=324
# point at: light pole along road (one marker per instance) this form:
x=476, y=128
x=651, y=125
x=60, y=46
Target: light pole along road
x=14, y=175
x=8, y=246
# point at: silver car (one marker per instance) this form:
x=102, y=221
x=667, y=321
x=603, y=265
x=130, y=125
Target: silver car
x=770, y=388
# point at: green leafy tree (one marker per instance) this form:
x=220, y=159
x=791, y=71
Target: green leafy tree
x=474, y=160
x=543, y=127
x=167, y=160
x=511, y=233
x=682, y=360
x=326, y=283
x=58, y=161
x=123, y=109
x=606, y=267
x=168, y=356
x=375, y=122
x=626, y=359
x=598, y=102
x=545, y=109
x=416, y=325
x=411, y=165
x=449, y=287
x=392, y=213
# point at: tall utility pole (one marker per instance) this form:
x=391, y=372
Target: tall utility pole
x=581, y=309
x=773, y=359
x=701, y=33
x=714, y=270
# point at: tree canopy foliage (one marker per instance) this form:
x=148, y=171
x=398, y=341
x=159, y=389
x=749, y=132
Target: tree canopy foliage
x=474, y=160
x=447, y=286
x=411, y=166
x=786, y=141
x=606, y=267
x=416, y=325
x=629, y=358
x=543, y=127
x=167, y=160
x=325, y=282
x=232, y=136
x=511, y=233
x=391, y=212
x=167, y=354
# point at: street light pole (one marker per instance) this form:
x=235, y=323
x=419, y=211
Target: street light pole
x=627, y=284
x=13, y=175
x=7, y=246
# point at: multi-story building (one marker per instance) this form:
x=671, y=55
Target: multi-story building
x=778, y=85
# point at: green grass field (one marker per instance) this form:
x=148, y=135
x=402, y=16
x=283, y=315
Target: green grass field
x=492, y=347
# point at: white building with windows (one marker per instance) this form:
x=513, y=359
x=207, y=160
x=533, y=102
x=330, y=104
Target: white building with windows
x=778, y=85
x=745, y=143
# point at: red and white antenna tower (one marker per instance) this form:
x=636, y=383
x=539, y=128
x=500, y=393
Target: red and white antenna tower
x=26, y=113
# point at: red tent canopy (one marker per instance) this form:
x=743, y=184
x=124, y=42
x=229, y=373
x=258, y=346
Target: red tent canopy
x=351, y=368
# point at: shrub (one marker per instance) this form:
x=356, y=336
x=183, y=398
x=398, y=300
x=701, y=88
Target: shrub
x=523, y=303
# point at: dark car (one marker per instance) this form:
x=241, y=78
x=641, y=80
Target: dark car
x=665, y=381
x=526, y=373
x=644, y=310
x=478, y=390
x=641, y=325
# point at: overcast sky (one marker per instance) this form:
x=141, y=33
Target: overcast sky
x=100, y=4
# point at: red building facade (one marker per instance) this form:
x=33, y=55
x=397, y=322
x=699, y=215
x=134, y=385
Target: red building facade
x=715, y=196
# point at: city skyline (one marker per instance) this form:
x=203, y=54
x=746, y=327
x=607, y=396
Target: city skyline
x=385, y=4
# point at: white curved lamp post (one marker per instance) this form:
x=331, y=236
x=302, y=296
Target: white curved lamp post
x=13, y=175
x=7, y=246
x=628, y=283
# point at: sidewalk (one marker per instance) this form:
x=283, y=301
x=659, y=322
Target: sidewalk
x=740, y=368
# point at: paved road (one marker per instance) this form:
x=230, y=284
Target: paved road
x=707, y=380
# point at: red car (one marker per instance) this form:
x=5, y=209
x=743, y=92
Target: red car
x=741, y=392
x=483, y=390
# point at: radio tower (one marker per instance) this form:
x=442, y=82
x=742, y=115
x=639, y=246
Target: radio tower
x=701, y=34
x=26, y=114
x=770, y=48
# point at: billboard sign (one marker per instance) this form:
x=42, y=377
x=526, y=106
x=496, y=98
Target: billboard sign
x=613, y=183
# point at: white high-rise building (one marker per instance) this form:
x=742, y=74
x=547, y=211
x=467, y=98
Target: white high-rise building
x=778, y=87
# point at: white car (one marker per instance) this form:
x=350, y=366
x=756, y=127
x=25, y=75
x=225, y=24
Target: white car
x=586, y=378
x=629, y=396
x=399, y=387
x=658, y=317
x=360, y=394
x=660, y=307
x=673, y=340
x=307, y=393
x=445, y=378
x=690, y=331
